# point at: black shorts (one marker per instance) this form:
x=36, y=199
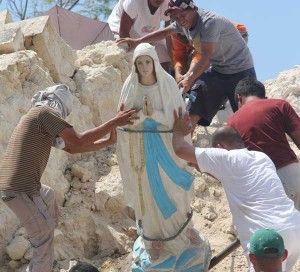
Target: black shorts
x=210, y=90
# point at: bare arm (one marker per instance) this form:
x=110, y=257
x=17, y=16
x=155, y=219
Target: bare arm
x=151, y=37
x=169, y=41
x=181, y=128
x=125, y=25
x=208, y=50
x=179, y=52
x=72, y=146
x=90, y=140
x=295, y=136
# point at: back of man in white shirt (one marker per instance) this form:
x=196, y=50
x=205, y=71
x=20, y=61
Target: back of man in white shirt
x=254, y=191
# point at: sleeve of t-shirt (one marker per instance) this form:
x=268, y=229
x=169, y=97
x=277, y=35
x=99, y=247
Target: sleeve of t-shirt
x=50, y=122
x=291, y=119
x=211, y=30
x=131, y=8
x=214, y=161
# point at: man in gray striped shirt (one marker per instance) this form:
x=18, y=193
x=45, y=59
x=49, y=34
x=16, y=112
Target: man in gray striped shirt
x=26, y=159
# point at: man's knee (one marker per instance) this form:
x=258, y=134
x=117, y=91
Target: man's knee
x=48, y=195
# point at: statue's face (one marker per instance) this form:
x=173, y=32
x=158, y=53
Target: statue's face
x=145, y=66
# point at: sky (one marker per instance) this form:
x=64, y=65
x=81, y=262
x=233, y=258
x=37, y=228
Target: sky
x=273, y=27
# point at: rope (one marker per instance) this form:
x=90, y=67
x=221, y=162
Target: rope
x=144, y=131
x=140, y=230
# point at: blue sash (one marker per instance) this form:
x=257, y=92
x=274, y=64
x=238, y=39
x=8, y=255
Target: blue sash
x=156, y=153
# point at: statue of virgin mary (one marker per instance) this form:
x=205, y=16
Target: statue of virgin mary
x=157, y=184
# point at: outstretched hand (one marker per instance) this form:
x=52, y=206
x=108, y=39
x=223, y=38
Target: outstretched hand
x=125, y=117
x=186, y=82
x=131, y=43
x=182, y=123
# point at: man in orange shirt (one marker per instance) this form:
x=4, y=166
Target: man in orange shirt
x=185, y=56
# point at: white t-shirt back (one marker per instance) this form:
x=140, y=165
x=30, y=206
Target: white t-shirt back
x=138, y=10
x=254, y=191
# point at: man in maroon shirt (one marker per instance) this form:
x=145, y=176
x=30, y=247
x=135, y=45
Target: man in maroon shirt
x=263, y=124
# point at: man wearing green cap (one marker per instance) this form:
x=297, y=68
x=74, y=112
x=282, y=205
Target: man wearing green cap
x=267, y=251
x=254, y=191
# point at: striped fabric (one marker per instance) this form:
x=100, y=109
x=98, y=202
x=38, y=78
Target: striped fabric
x=29, y=150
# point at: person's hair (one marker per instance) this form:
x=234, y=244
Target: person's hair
x=268, y=264
x=137, y=71
x=250, y=87
x=227, y=135
x=83, y=267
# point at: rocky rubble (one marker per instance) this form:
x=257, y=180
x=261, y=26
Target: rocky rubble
x=94, y=224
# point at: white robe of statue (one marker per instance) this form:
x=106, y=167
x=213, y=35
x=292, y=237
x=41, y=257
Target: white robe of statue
x=157, y=184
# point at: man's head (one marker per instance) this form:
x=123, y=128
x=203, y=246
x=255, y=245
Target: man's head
x=228, y=138
x=249, y=88
x=267, y=251
x=83, y=267
x=184, y=12
x=57, y=97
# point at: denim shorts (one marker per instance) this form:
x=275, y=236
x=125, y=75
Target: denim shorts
x=210, y=90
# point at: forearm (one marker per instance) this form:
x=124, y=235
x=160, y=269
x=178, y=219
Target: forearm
x=125, y=25
x=123, y=33
x=82, y=142
x=178, y=73
x=198, y=68
x=94, y=134
x=90, y=147
x=156, y=35
x=183, y=149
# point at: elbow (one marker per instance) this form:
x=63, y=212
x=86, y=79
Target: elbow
x=178, y=152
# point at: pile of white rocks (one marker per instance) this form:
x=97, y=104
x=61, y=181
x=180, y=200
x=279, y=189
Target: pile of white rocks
x=94, y=218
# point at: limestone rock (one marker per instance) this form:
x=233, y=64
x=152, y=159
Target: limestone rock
x=101, y=71
x=41, y=37
x=13, y=264
x=28, y=254
x=5, y=17
x=11, y=40
x=21, y=232
x=109, y=196
x=286, y=86
x=18, y=247
x=80, y=172
x=58, y=235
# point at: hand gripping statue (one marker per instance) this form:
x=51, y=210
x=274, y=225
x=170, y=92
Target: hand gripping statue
x=157, y=184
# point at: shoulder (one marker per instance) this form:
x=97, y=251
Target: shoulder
x=46, y=110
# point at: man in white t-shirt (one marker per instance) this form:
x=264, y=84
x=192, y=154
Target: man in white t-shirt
x=135, y=19
x=254, y=191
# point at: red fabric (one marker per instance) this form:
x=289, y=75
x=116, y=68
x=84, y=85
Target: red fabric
x=263, y=124
x=180, y=51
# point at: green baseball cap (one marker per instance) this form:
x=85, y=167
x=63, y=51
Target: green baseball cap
x=267, y=243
